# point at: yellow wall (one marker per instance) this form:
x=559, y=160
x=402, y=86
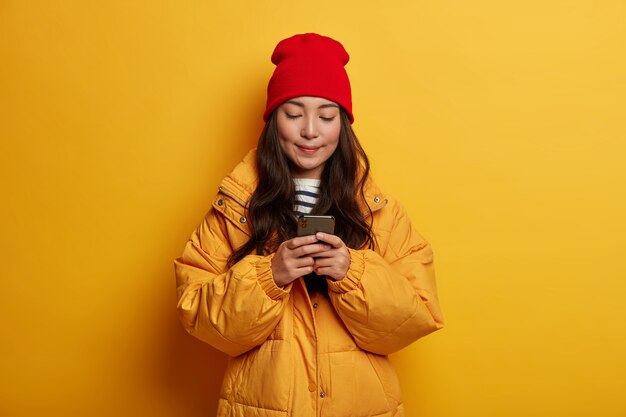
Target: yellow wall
x=500, y=126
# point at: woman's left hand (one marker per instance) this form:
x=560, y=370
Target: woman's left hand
x=333, y=262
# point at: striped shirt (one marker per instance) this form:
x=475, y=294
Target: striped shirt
x=307, y=194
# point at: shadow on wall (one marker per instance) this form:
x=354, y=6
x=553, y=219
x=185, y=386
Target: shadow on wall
x=189, y=372
x=192, y=371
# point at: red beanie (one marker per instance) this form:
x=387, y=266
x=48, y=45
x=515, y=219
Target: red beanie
x=309, y=65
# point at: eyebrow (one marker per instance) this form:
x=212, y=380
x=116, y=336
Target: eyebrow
x=300, y=104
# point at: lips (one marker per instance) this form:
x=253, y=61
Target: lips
x=308, y=149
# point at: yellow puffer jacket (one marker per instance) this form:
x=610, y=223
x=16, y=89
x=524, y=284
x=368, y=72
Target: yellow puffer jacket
x=298, y=356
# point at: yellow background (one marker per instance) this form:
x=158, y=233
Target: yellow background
x=500, y=126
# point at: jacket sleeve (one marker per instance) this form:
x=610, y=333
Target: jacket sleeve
x=388, y=301
x=233, y=309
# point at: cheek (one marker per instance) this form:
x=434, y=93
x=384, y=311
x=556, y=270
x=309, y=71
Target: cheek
x=285, y=130
x=284, y=138
x=282, y=134
x=284, y=146
x=333, y=134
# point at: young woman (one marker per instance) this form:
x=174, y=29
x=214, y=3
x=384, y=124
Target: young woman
x=308, y=321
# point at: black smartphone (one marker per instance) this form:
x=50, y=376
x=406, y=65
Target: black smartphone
x=309, y=224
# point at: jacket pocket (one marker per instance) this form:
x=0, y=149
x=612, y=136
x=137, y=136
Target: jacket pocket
x=356, y=388
x=387, y=377
x=261, y=378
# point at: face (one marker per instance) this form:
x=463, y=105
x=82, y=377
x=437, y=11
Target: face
x=308, y=132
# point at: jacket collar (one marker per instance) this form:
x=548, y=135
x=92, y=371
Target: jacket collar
x=242, y=181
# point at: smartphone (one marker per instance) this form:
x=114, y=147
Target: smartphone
x=309, y=224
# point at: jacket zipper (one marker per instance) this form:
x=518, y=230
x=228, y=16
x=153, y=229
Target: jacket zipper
x=234, y=197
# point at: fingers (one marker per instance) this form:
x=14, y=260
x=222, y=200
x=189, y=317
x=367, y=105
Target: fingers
x=328, y=271
x=302, y=262
x=334, y=241
x=341, y=263
x=334, y=263
x=286, y=268
x=323, y=253
x=332, y=272
x=297, y=242
x=304, y=246
x=311, y=250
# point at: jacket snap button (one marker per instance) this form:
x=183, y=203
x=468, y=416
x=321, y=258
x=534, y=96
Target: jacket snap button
x=322, y=394
x=376, y=199
x=312, y=387
x=220, y=202
x=243, y=220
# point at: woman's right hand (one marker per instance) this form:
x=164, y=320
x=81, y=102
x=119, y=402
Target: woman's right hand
x=294, y=258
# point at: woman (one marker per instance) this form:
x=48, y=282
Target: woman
x=308, y=321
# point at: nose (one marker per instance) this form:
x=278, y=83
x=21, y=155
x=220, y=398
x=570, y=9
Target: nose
x=309, y=128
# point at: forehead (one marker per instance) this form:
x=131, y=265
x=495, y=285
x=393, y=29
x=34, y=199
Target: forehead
x=311, y=101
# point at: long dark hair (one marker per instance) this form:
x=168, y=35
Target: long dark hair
x=270, y=211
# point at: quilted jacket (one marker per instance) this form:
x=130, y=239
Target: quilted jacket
x=301, y=355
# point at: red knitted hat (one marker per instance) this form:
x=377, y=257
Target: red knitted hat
x=309, y=65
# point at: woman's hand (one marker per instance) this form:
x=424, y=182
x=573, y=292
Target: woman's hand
x=333, y=261
x=294, y=258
